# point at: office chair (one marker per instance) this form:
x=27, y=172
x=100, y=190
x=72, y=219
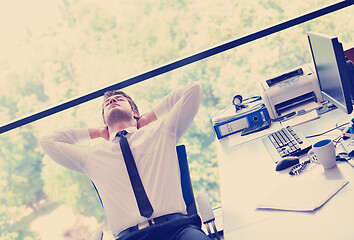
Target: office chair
x=206, y=211
x=187, y=192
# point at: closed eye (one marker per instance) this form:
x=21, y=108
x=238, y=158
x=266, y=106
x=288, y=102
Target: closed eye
x=117, y=98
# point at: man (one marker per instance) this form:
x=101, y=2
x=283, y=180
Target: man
x=153, y=147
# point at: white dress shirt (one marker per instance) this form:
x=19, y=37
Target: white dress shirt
x=154, y=150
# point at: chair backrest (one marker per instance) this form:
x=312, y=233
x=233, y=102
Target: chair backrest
x=186, y=183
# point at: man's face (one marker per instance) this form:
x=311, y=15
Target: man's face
x=117, y=108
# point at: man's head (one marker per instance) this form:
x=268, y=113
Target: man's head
x=117, y=105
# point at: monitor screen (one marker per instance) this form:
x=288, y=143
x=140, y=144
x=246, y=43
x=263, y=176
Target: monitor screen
x=332, y=74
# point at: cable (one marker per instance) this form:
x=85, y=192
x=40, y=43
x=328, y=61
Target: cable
x=327, y=131
x=337, y=140
x=218, y=111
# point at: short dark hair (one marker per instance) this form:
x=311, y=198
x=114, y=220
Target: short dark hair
x=118, y=92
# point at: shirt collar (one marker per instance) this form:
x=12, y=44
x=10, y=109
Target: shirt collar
x=130, y=130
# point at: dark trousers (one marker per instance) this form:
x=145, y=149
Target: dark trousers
x=182, y=228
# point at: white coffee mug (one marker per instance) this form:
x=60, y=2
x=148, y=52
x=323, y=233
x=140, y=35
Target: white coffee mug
x=325, y=153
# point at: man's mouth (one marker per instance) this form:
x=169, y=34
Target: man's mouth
x=113, y=105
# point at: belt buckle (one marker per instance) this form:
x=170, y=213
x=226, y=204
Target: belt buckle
x=146, y=224
x=143, y=225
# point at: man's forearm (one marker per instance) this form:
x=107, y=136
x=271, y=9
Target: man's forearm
x=146, y=118
x=99, y=132
x=61, y=147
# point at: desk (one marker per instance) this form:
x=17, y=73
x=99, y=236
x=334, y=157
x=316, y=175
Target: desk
x=247, y=174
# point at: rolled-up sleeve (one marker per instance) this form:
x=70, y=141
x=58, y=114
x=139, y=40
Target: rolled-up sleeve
x=180, y=108
x=61, y=147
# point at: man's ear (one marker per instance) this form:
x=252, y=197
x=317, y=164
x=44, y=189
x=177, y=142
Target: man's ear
x=135, y=114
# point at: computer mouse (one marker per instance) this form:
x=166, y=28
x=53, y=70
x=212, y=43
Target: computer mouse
x=286, y=162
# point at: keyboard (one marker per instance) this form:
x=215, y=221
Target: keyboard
x=255, y=128
x=286, y=142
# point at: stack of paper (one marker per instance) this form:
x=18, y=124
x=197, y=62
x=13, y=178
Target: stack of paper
x=300, y=195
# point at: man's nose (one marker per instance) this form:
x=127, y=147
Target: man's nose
x=112, y=100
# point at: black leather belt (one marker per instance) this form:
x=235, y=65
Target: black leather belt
x=150, y=222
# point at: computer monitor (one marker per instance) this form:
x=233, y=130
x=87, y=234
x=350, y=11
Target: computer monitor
x=332, y=73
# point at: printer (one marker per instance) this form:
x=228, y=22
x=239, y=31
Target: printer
x=291, y=90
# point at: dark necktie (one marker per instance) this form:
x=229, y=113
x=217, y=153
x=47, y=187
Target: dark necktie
x=144, y=204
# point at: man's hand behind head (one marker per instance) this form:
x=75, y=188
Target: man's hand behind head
x=146, y=118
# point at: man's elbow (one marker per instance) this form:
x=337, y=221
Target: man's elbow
x=197, y=89
x=45, y=143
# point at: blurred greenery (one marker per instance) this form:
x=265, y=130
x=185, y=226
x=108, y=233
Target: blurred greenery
x=82, y=46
